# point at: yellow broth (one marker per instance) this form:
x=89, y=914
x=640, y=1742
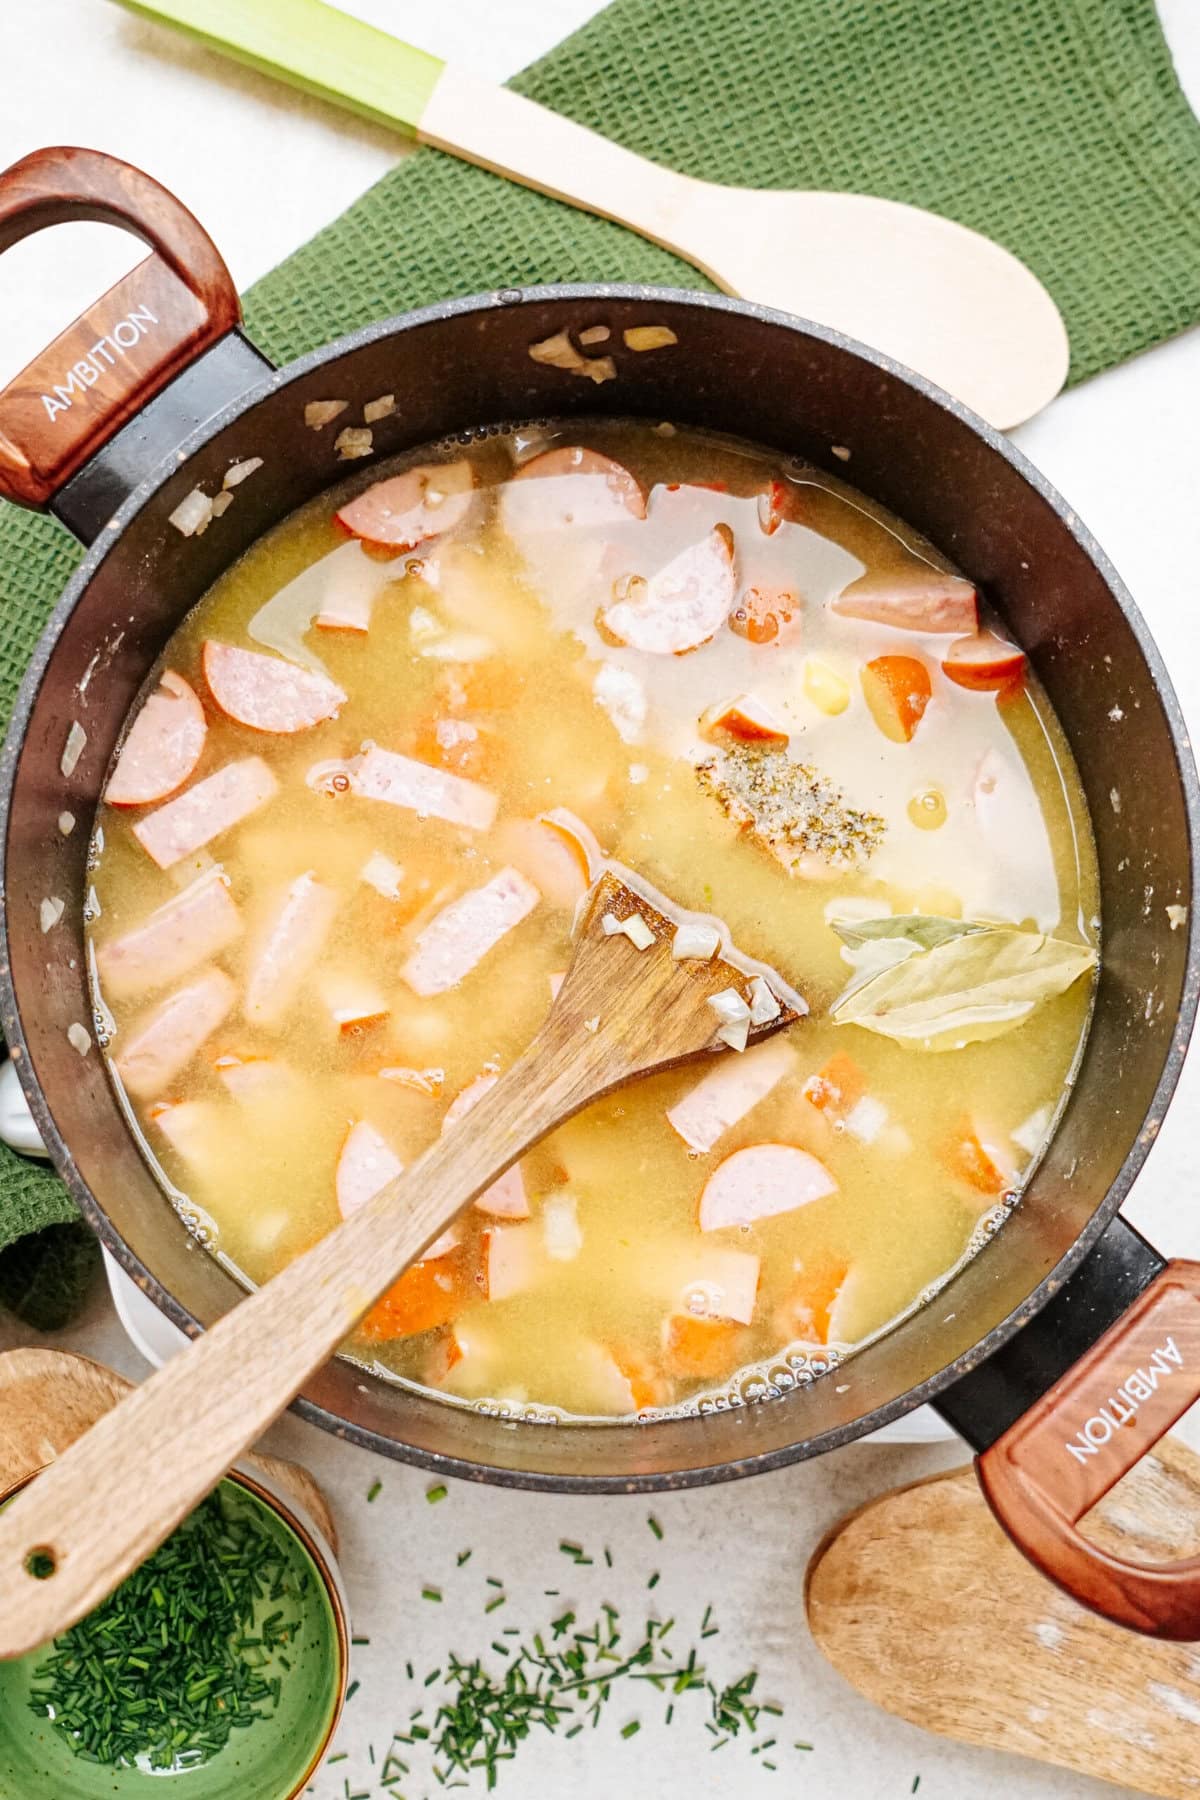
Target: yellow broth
x=474, y=626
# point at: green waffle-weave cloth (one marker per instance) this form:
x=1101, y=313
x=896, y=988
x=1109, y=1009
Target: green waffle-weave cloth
x=1055, y=126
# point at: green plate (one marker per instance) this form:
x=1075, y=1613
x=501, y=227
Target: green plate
x=268, y=1761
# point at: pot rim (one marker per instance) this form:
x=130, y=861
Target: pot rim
x=588, y=292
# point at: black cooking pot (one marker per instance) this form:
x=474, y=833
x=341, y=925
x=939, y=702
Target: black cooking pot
x=1068, y=1326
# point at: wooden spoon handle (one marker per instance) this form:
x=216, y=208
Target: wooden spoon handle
x=111, y=1499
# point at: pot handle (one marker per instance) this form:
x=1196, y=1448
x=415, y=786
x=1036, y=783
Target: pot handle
x=136, y=338
x=1087, y=1431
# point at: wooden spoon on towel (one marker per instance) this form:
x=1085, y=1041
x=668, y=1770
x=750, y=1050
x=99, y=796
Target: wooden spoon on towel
x=626, y=1007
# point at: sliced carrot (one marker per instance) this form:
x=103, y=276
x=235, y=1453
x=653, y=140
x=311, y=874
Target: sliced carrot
x=838, y=1087
x=804, y=1314
x=429, y=1294
x=897, y=691
x=983, y=661
x=266, y=693
x=164, y=744
x=759, y=1182
x=745, y=718
x=200, y=814
x=683, y=605
x=424, y=502
x=766, y=615
x=912, y=600
x=979, y=1161
x=480, y=687
x=695, y=1348
x=648, y=1385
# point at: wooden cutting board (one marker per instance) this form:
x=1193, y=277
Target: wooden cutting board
x=49, y=1398
x=921, y=1602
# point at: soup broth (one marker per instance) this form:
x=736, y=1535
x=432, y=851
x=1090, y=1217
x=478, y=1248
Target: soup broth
x=329, y=906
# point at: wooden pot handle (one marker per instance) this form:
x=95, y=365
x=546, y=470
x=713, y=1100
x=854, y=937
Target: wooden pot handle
x=1083, y=1435
x=136, y=338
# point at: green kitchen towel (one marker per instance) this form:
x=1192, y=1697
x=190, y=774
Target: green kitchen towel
x=1055, y=126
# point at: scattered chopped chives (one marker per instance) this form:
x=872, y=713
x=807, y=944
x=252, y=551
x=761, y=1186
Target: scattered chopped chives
x=801, y=1746
x=437, y=1492
x=341, y=1756
x=352, y=1690
x=630, y=1730
x=374, y=1491
x=431, y=1593
x=492, y=1581
x=408, y=1670
x=493, y=1604
x=670, y=1711
x=654, y=1580
x=608, y=1556
x=769, y=1765
x=464, y=1556
x=654, y=1525
x=570, y=1549
x=916, y=1784
x=360, y=1640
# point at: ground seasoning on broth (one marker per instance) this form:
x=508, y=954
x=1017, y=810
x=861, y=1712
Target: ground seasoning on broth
x=342, y=854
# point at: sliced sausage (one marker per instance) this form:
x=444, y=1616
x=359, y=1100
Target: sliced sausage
x=430, y=793
x=366, y=1162
x=745, y=718
x=400, y=513
x=191, y=928
x=730, y=1090
x=548, y=856
x=163, y=1043
x=760, y=1181
x=983, y=661
x=164, y=744
x=506, y=1198
x=266, y=693
x=216, y=804
x=290, y=945
x=570, y=486
x=683, y=605
x=458, y=938
x=913, y=600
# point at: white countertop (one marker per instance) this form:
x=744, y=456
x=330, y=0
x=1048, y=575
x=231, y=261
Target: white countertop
x=264, y=168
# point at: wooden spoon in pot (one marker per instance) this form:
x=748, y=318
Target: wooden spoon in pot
x=104, y=1506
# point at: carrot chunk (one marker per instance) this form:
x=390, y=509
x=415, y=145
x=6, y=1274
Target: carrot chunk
x=164, y=744
x=701, y=1348
x=978, y=1158
x=430, y=1294
x=897, y=691
x=838, y=1087
x=745, y=718
x=648, y=1385
x=805, y=1312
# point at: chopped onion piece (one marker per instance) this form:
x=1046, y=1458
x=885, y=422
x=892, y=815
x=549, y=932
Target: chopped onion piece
x=592, y=1024
x=379, y=409
x=51, y=911
x=763, y=1005
x=1029, y=1135
x=735, y=1035
x=561, y=353
x=649, y=337
x=561, y=1231
x=384, y=875
x=323, y=412
x=637, y=931
x=696, y=943
x=235, y=476
x=595, y=334
x=729, y=1007
x=66, y=823
x=1177, y=915
x=354, y=441
x=221, y=503
x=422, y=624
x=610, y=925
x=79, y=1038
x=192, y=514
x=74, y=748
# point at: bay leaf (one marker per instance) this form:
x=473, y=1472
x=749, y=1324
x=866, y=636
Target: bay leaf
x=924, y=930
x=973, y=986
